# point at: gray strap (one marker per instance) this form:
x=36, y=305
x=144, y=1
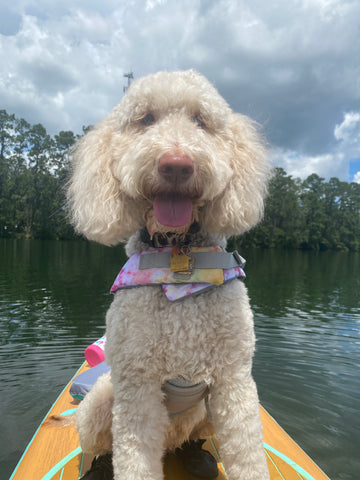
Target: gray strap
x=201, y=260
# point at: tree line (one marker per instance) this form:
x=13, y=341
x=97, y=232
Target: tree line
x=33, y=171
x=309, y=214
x=34, y=166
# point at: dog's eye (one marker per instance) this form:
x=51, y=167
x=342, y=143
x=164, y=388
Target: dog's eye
x=148, y=120
x=199, y=121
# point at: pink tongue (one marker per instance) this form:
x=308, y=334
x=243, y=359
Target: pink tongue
x=172, y=210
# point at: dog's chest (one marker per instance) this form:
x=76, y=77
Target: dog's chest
x=189, y=338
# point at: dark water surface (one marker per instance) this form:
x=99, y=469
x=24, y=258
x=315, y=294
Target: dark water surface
x=54, y=295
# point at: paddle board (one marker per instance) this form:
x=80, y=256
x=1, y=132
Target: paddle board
x=54, y=452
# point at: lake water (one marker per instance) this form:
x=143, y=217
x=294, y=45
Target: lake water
x=54, y=295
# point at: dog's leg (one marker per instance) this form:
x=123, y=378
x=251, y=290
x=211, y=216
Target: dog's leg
x=140, y=422
x=235, y=409
x=94, y=417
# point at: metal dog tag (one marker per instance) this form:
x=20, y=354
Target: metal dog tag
x=181, y=262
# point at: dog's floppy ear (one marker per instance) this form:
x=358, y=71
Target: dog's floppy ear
x=241, y=205
x=98, y=208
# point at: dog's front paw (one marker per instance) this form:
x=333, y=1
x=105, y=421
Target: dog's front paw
x=196, y=461
x=101, y=468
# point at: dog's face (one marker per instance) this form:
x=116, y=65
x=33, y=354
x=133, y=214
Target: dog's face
x=172, y=152
x=169, y=154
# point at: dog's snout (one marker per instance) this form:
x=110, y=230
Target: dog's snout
x=176, y=167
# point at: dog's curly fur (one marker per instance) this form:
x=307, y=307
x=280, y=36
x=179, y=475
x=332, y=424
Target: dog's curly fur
x=208, y=337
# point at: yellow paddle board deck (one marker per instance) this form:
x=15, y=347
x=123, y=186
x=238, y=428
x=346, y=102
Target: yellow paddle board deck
x=54, y=452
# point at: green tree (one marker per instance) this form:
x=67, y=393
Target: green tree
x=313, y=204
x=349, y=214
x=7, y=127
x=16, y=185
x=34, y=169
x=283, y=214
x=312, y=214
x=64, y=142
x=282, y=225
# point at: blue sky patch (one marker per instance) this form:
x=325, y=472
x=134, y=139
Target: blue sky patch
x=354, y=167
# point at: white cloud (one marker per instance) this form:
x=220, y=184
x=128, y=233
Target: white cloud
x=349, y=130
x=62, y=72
x=348, y=135
x=301, y=166
x=334, y=163
x=151, y=4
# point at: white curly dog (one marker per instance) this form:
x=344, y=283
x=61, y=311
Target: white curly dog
x=172, y=164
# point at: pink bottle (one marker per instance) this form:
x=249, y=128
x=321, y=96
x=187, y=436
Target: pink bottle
x=94, y=353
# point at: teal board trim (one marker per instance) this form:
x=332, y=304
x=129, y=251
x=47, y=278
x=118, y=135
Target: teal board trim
x=68, y=412
x=61, y=464
x=27, y=448
x=218, y=456
x=290, y=462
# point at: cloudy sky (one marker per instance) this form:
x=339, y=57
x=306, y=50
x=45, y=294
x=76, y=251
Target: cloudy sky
x=292, y=65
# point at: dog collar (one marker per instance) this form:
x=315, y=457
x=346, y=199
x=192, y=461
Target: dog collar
x=169, y=239
x=181, y=271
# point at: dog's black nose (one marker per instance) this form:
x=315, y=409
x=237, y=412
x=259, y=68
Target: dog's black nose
x=176, y=167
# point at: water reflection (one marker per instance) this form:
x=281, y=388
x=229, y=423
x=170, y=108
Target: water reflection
x=313, y=282
x=307, y=362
